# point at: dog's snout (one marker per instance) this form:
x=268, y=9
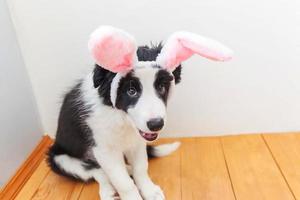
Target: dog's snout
x=155, y=124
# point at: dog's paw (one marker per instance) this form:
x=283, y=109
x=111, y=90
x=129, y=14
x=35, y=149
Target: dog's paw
x=153, y=193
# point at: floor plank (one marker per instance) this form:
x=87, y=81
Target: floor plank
x=203, y=170
x=55, y=187
x=34, y=182
x=75, y=194
x=90, y=191
x=254, y=173
x=165, y=172
x=286, y=151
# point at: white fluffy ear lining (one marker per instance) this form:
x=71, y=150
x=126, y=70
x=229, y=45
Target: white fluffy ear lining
x=113, y=48
x=182, y=45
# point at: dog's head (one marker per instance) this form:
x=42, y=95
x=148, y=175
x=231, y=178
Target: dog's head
x=141, y=79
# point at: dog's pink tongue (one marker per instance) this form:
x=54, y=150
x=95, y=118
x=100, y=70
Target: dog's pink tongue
x=149, y=136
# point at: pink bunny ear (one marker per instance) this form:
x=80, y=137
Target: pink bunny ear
x=182, y=45
x=113, y=49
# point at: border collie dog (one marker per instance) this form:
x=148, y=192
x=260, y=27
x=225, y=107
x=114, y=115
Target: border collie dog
x=107, y=119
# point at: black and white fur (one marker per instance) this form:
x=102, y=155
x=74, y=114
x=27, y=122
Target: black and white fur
x=94, y=133
x=108, y=116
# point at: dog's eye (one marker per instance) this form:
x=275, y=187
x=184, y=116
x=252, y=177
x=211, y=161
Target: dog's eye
x=161, y=88
x=132, y=92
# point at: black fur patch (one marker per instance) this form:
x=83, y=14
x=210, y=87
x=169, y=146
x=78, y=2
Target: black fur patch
x=123, y=100
x=146, y=53
x=162, y=84
x=102, y=79
x=177, y=74
x=73, y=136
x=72, y=132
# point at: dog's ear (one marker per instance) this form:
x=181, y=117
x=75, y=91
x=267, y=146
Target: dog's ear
x=113, y=49
x=182, y=45
x=177, y=74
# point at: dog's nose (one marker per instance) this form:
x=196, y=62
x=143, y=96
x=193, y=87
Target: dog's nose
x=155, y=124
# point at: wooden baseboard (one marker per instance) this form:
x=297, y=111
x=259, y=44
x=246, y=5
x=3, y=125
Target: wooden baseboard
x=11, y=189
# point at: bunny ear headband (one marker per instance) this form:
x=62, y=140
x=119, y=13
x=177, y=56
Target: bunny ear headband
x=115, y=49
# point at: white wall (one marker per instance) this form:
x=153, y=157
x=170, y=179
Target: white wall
x=20, y=127
x=258, y=91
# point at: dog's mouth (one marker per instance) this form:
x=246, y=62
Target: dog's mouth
x=148, y=136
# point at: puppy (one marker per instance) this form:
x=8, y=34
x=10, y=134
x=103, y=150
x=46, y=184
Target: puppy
x=107, y=118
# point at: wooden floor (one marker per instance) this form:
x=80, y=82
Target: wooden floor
x=262, y=166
